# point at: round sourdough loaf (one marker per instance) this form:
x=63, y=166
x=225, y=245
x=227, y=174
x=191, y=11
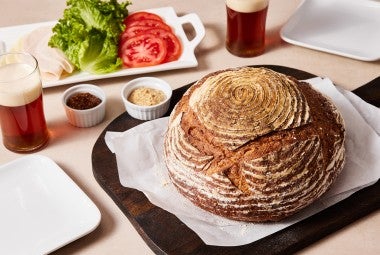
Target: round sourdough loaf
x=252, y=144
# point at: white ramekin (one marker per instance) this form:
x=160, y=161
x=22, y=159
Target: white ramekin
x=146, y=112
x=88, y=117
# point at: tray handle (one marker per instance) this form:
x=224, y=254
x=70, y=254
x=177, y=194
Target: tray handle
x=198, y=27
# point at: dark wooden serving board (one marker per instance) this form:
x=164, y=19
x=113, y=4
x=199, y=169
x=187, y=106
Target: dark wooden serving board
x=165, y=234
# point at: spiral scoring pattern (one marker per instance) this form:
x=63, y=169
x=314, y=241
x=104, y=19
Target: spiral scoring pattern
x=245, y=164
x=240, y=105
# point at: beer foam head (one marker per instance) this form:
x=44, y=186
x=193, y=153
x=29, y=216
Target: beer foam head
x=20, y=84
x=247, y=5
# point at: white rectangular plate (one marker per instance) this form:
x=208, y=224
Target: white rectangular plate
x=10, y=35
x=348, y=28
x=41, y=208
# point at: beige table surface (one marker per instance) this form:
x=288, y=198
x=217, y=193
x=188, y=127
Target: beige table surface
x=71, y=147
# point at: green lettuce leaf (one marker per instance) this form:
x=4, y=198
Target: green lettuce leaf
x=89, y=33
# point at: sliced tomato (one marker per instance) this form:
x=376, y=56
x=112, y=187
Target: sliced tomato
x=132, y=31
x=173, y=45
x=143, y=50
x=141, y=15
x=149, y=23
x=138, y=27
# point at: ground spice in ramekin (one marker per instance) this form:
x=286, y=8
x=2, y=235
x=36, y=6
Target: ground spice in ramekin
x=146, y=96
x=83, y=101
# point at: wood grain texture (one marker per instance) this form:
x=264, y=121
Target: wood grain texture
x=165, y=234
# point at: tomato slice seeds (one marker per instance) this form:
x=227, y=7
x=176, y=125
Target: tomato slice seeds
x=173, y=45
x=143, y=50
x=133, y=31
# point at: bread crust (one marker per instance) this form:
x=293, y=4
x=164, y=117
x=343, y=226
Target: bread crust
x=229, y=157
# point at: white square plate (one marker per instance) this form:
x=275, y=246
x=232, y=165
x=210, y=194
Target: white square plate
x=41, y=208
x=10, y=35
x=349, y=28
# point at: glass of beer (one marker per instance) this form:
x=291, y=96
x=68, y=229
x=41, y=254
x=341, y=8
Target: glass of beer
x=22, y=118
x=246, y=27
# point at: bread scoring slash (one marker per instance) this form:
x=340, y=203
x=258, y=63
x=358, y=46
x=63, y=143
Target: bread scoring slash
x=252, y=144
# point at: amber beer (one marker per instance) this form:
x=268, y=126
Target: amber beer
x=22, y=118
x=246, y=27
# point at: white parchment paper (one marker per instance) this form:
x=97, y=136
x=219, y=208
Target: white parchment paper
x=139, y=155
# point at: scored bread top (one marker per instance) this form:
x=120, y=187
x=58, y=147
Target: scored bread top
x=238, y=106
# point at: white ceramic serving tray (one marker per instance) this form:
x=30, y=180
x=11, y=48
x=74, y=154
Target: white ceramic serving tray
x=10, y=35
x=41, y=208
x=349, y=28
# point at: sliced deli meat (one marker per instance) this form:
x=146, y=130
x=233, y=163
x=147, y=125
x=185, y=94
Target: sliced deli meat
x=52, y=61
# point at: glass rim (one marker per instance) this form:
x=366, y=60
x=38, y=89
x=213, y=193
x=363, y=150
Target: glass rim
x=19, y=53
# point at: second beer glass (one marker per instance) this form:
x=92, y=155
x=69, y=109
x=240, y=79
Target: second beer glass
x=246, y=27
